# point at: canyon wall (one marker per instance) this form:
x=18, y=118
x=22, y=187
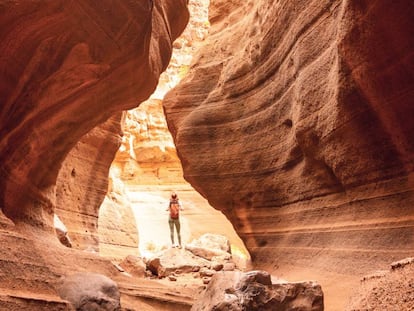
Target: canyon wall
x=296, y=121
x=82, y=185
x=65, y=68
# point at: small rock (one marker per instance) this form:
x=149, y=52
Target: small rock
x=402, y=263
x=61, y=232
x=217, y=266
x=207, y=272
x=206, y=280
x=177, y=45
x=375, y=275
x=257, y=276
x=229, y=266
x=172, y=278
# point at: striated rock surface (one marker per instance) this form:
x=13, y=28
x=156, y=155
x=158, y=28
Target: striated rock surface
x=65, y=68
x=134, y=266
x=83, y=182
x=147, y=155
x=117, y=229
x=295, y=120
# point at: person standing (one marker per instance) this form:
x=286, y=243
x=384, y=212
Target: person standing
x=174, y=208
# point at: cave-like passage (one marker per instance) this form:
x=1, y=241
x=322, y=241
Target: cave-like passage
x=148, y=169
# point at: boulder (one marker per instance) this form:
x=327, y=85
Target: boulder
x=237, y=291
x=217, y=266
x=169, y=261
x=90, y=292
x=229, y=266
x=134, y=265
x=211, y=246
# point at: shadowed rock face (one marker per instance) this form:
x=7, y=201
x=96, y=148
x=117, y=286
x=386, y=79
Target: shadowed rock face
x=296, y=121
x=65, y=68
x=82, y=182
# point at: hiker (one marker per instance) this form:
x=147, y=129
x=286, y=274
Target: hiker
x=174, y=208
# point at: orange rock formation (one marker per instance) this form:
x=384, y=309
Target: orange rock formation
x=66, y=67
x=296, y=121
x=62, y=63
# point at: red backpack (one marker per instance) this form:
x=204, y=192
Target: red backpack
x=174, y=209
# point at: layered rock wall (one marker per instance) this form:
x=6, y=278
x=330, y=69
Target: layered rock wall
x=295, y=120
x=82, y=182
x=65, y=68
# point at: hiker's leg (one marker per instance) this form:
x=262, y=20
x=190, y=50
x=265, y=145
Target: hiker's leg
x=178, y=227
x=171, y=223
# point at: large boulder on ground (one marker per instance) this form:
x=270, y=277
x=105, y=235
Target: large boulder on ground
x=237, y=291
x=171, y=260
x=209, y=246
x=90, y=292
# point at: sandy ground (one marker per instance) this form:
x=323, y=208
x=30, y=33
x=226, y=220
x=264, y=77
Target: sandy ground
x=149, y=207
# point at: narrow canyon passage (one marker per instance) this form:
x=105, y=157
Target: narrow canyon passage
x=146, y=168
x=144, y=173
x=291, y=119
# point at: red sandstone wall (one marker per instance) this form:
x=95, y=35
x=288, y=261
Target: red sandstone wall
x=296, y=121
x=83, y=182
x=66, y=66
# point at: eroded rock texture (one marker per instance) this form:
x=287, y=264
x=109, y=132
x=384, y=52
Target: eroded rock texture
x=387, y=289
x=296, y=121
x=65, y=68
x=83, y=182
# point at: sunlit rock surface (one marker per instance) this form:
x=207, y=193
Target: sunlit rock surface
x=148, y=166
x=296, y=120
